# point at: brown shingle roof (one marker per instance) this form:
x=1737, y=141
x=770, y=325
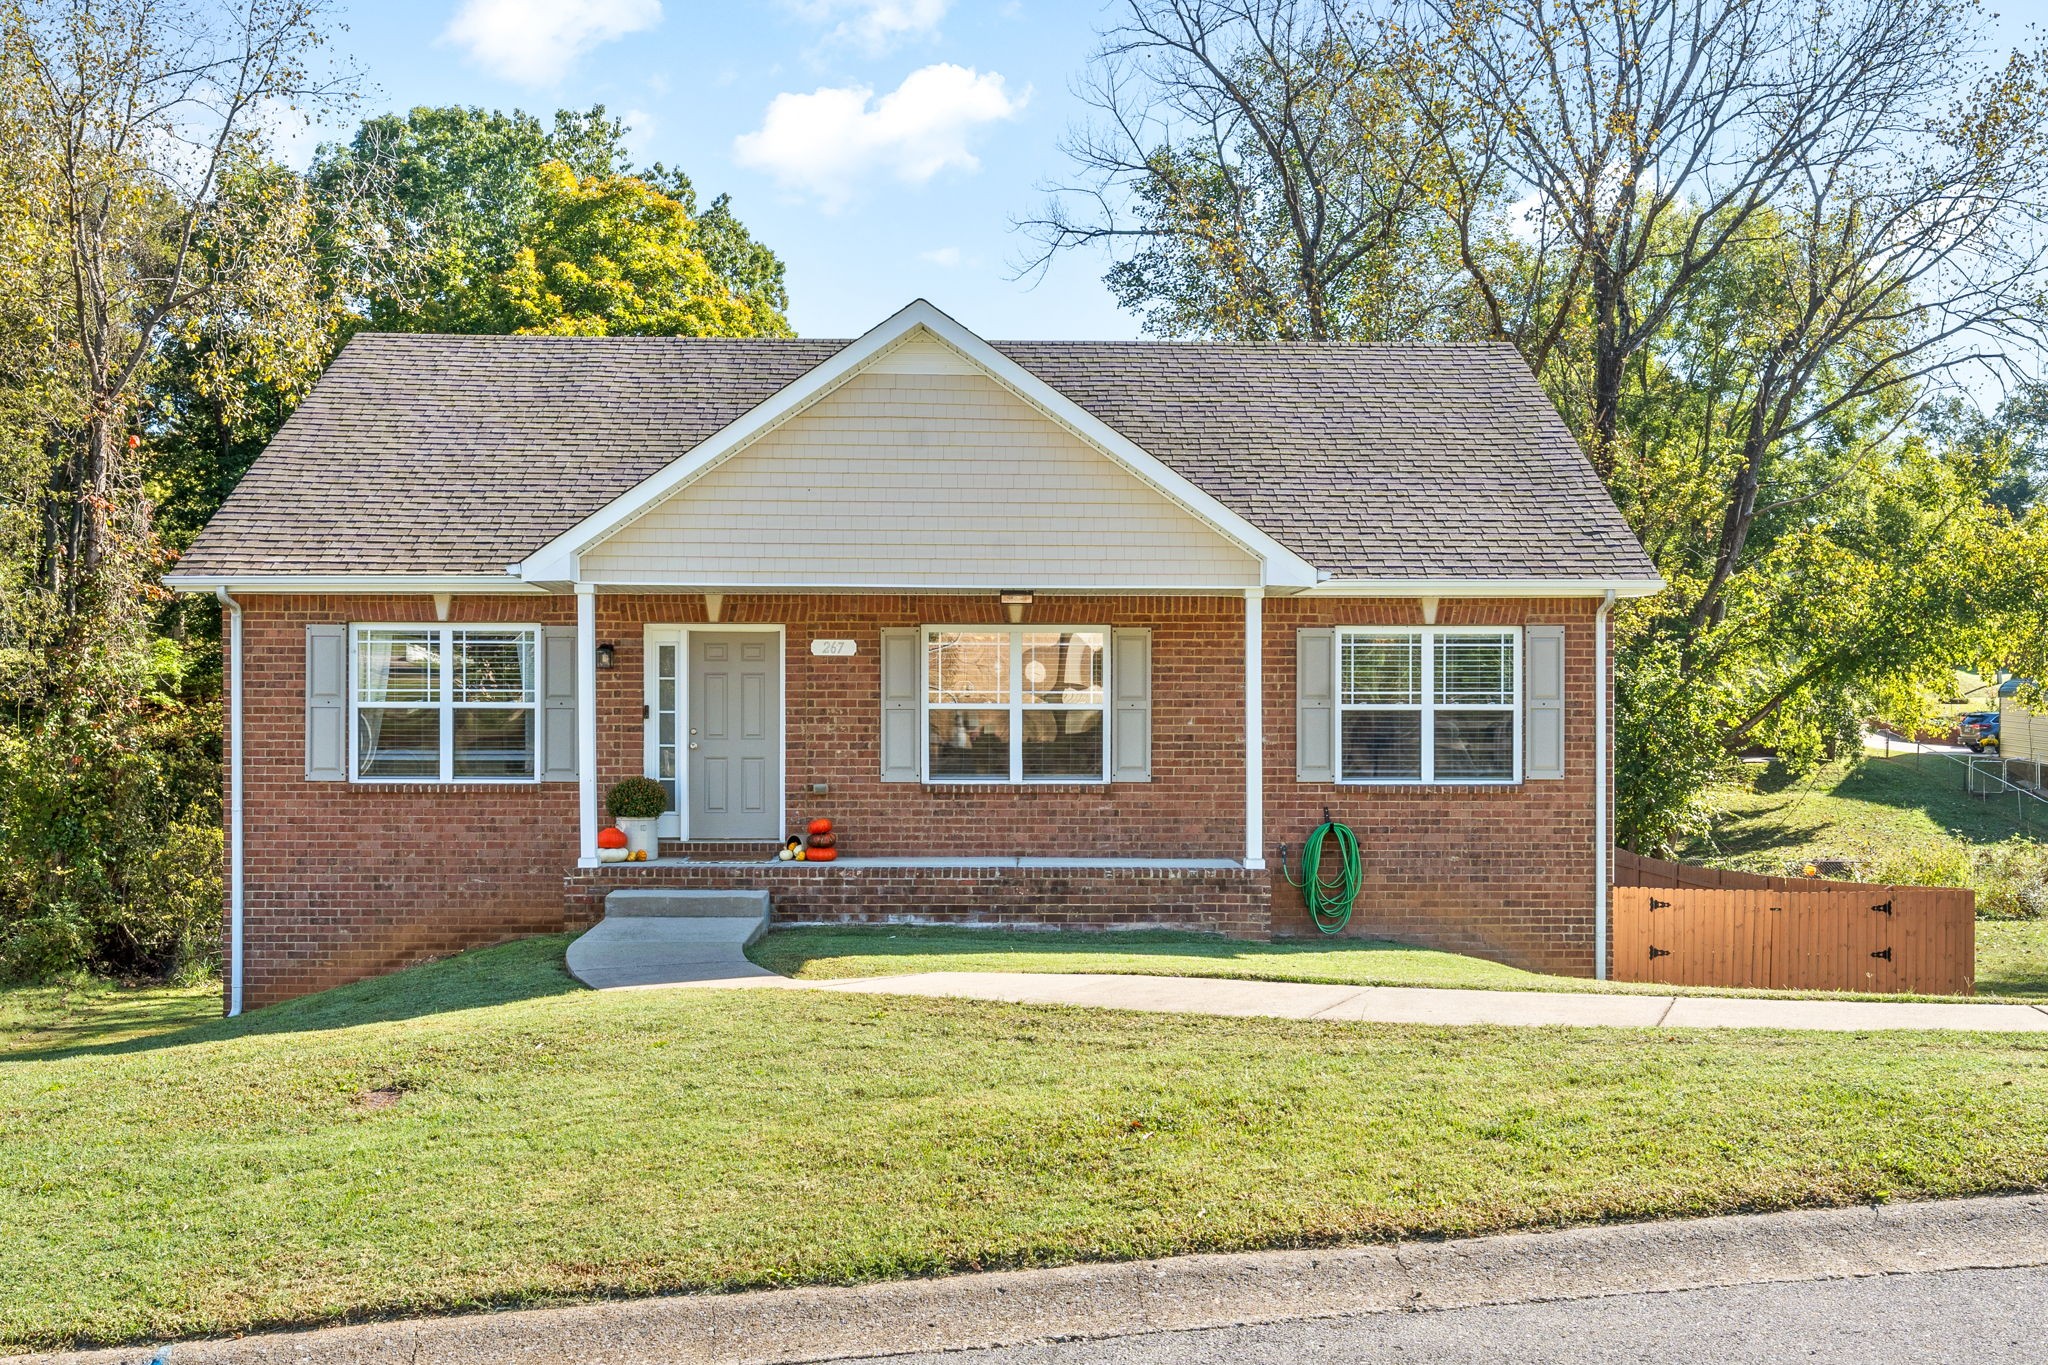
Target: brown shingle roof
x=460, y=454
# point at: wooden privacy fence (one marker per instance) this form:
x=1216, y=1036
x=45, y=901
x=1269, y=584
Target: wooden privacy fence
x=1679, y=925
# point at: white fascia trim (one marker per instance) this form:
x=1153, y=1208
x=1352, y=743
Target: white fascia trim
x=557, y=559
x=358, y=583
x=1484, y=587
x=1018, y=582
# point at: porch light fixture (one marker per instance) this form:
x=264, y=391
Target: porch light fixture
x=1016, y=602
x=606, y=655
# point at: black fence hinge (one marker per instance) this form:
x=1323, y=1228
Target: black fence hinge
x=1884, y=909
x=1884, y=953
x=1656, y=904
x=1656, y=953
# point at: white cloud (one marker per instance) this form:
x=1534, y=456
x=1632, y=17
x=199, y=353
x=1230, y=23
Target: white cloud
x=639, y=139
x=534, y=42
x=876, y=25
x=946, y=257
x=828, y=142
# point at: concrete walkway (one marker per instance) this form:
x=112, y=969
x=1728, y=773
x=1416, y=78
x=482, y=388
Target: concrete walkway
x=1428, y=1005
x=650, y=939
x=1183, y=1294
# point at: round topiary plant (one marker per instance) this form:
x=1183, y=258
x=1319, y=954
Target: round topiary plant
x=636, y=798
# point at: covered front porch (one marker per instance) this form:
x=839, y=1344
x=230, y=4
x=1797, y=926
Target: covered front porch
x=929, y=726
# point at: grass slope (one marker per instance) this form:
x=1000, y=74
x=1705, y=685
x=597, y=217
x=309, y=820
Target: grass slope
x=480, y=1131
x=1866, y=811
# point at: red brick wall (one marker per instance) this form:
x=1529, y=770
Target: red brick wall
x=1504, y=872
x=346, y=880
x=1216, y=900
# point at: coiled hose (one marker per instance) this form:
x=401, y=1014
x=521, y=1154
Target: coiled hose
x=1328, y=899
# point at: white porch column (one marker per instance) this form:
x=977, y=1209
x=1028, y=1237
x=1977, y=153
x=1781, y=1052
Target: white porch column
x=586, y=720
x=1254, y=728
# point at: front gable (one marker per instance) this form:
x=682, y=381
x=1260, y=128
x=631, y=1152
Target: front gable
x=918, y=471
x=919, y=456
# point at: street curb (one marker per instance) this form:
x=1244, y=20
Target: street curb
x=1180, y=1294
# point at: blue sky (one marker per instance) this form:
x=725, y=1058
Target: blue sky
x=882, y=147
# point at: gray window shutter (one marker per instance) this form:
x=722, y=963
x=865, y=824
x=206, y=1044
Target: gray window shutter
x=1315, y=706
x=1543, y=702
x=902, y=687
x=1130, y=734
x=326, y=703
x=558, y=704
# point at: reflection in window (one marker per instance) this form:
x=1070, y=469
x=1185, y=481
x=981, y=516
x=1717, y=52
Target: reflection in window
x=1024, y=705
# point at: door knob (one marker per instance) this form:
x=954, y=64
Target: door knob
x=693, y=744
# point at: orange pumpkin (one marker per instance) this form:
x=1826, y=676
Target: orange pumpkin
x=821, y=855
x=611, y=837
x=820, y=826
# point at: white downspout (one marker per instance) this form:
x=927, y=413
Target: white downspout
x=1254, y=728
x=586, y=722
x=233, y=610
x=1602, y=840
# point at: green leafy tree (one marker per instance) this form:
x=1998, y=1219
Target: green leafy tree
x=430, y=215
x=610, y=256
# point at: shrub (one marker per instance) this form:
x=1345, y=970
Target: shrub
x=110, y=848
x=2010, y=878
x=636, y=798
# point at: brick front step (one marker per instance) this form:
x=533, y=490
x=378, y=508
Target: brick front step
x=1212, y=897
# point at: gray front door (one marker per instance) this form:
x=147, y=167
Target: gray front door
x=734, y=774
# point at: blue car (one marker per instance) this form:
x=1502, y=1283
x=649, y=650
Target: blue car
x=1978, y=731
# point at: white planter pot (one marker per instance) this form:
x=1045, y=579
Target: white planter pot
x=642, y=836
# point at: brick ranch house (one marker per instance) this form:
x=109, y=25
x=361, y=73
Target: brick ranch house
x=1058, y=633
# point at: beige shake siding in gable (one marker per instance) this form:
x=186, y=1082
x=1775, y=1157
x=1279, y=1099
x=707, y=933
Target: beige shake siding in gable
x=912, y=476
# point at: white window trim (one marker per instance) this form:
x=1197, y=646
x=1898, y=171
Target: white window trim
x=1016, y=706
x=1429, y=706
x=445, y=636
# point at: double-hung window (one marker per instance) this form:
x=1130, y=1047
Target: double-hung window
x=1021, y=704
x=1429, y=705
x=444, y=703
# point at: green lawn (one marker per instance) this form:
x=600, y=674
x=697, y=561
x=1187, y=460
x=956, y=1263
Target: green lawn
x=814, y=954
x=2013, y=959
x=480, y=1131
x=89, y=1011
x=1865, y=811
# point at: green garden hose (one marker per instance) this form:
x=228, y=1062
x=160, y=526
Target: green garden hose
x=1328, y=899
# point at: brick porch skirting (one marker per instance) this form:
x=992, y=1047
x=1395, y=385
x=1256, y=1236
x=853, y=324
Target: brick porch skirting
x=1217, y=900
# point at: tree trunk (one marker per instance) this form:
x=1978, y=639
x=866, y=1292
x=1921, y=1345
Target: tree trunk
x=1609, y=360
x=77, y=499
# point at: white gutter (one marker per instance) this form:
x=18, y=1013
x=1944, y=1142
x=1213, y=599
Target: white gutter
x=362, y=583
x=1485, y=587
x=233, y=611
x=1602, y=840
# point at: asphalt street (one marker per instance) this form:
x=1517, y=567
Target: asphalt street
x=1977, y=1316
